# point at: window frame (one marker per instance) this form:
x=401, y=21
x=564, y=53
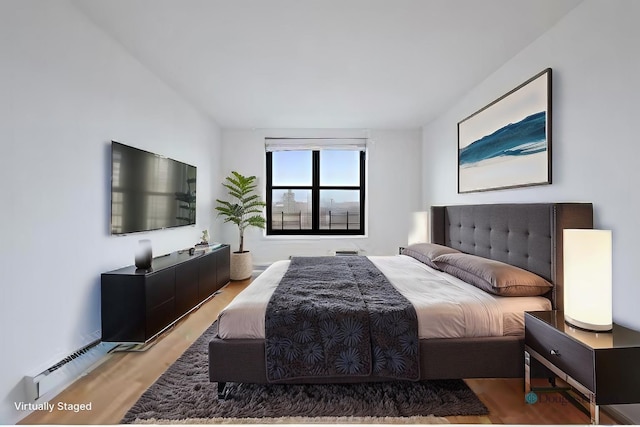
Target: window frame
x=315, y=189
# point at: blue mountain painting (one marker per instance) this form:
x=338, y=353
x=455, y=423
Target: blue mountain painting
x=525, y=137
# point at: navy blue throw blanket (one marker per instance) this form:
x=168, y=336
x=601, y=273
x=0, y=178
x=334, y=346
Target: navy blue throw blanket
x=339, y=316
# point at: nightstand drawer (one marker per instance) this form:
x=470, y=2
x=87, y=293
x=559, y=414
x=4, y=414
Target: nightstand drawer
x=570, y=356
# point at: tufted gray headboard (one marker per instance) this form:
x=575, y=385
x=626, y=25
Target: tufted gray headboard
x=527, y=235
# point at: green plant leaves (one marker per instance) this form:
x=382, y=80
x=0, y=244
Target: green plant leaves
x=245, y=210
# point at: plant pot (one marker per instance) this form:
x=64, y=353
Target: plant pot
x=241, y=265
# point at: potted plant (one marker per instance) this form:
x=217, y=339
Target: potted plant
x=244, y=210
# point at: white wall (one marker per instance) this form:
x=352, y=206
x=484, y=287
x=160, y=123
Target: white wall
x=66, y=90
x=593, y=52
x=393, y=192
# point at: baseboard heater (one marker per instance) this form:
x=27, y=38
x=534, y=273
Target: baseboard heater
x=65, y=371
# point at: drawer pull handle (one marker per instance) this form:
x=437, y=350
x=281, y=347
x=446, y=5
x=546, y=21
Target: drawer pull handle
x=554, y=352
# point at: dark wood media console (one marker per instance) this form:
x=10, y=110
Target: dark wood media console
x=139, y=304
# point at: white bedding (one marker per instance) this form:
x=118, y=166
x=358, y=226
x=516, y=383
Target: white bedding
x=446, y=306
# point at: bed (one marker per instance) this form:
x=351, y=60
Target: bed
x=527, y=236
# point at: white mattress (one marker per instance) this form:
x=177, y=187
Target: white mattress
x=446, y=306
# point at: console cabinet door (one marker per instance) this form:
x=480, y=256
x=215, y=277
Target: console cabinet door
x=160, y=301
x=123, y=308
x=223, y=264
x=207, y=275
x=186, y=287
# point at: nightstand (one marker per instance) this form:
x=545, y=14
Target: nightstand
x=604, y=366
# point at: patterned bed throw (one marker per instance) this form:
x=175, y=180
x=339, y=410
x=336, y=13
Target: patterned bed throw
x=339, y=316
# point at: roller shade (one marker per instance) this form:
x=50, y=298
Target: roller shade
x=292, y=144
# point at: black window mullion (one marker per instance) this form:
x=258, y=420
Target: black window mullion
x=339, y=187
x=315, y=192
x=291, y=187
x=362, y=187
x=269, y=196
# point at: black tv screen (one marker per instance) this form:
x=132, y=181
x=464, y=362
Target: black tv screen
x=149, y=192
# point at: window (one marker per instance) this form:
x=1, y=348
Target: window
x=315, y=186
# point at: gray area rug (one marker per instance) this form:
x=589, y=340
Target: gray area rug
x=184, y=392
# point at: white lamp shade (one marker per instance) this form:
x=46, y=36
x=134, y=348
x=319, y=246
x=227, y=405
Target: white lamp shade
x=588, y=279
x=419, y=232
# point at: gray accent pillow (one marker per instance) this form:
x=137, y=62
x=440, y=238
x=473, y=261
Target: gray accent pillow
x=427, y=252
x=492, y=276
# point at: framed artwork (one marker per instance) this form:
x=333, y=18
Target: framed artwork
x=507, y=144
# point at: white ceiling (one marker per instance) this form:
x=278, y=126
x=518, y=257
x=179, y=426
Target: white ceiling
x=324, y=63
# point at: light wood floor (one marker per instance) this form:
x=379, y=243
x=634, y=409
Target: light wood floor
x=116, y=384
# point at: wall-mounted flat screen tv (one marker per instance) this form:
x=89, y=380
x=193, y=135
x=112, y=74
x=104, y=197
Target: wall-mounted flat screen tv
x=149, y=191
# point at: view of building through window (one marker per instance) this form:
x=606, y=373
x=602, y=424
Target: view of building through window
x=293, y=209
